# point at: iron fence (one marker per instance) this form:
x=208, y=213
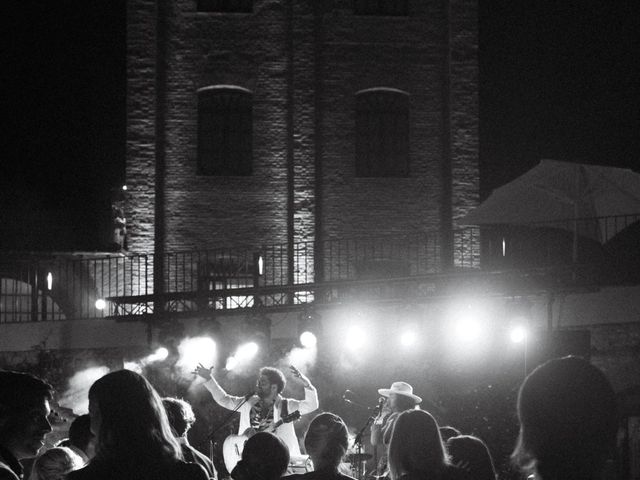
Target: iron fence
x=55, y=287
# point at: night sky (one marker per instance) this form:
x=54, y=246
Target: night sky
x=556, y=81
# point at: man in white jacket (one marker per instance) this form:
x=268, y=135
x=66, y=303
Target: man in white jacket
x=264, y=408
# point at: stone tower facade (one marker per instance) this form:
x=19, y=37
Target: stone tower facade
x=360, y=119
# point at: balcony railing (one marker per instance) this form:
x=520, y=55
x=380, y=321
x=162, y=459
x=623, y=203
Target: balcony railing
x=56, y=287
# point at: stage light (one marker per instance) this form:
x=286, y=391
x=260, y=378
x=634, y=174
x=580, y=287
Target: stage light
x=518, y=334
x=124, y=188
x=246, y=351
x=158, y=356
x=309, y=328
x=232, y=362
x=193, y=351
x=408, y=338
x=49, y=281
x=101, y=304
x=308, y=339
x=355, y=338
x=468, y=329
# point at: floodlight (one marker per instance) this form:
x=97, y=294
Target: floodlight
x=309, y=328
x=193, y=351
x=355, y=338
x=518, y=334
x=246, y=351
x=232, y=362
x=101, y=304
x=308, y=339
x=408, y=338
x=159, y=355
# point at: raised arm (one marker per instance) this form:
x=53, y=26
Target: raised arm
x=221, y=397
x=310, y=402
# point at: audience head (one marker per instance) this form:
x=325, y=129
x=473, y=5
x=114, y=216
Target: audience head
x=55, y=463
x=24, y=412
x=264, y=457
x=568, y=421
x=129, y=420
x=180, y=415
x=473, y=454
x=447, y=431
x=80, y=435
x=326, y=440
x=416, y=446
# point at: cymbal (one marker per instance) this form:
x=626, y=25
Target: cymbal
x=358, y=457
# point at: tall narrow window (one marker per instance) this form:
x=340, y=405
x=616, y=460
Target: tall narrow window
x=382, y=133
x=225, y=131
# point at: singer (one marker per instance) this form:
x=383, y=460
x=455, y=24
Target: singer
x=262, y=409
x=394, y=401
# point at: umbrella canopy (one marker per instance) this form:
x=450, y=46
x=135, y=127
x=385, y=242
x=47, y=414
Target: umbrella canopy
x=554, y=192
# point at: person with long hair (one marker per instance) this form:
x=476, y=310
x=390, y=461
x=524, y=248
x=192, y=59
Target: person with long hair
x=55, y=463
x=133, y=438
x=326, y=441
x=181, y=419
x=416, y=451
x=568, y=421
x=473, y=455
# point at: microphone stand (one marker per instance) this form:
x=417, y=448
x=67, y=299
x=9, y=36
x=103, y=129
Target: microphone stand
x=357, y=444
x=224, y=423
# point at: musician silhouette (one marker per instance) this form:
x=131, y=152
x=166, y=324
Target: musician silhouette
x=265, y=409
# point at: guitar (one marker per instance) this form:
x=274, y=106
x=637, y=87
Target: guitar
x=234, y=444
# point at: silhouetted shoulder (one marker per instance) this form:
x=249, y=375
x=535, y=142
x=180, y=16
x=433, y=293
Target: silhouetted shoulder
x=319, y=475
x=188, y=471
x=450, y=473
x=176, y=471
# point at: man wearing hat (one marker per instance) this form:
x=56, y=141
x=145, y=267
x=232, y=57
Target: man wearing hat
x=397, y=399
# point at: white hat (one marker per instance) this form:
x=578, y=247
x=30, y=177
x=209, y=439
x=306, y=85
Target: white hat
x=400, y=388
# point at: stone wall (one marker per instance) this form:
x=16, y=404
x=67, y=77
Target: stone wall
x=304, y=65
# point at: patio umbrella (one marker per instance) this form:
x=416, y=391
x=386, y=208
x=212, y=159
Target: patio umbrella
x=564, y=195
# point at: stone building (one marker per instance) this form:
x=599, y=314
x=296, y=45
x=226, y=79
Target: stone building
x=278, y=122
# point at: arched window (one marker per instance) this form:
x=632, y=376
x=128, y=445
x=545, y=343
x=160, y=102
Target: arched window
x=382, y=133
x=225, y=131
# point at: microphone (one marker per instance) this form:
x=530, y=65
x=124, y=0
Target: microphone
x=378, y=408
x=249, y=395
x=347, y=394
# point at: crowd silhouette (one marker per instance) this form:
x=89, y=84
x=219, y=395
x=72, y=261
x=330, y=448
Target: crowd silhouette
x=566, y=412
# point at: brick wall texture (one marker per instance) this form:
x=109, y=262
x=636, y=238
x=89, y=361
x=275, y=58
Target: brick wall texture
x=303, y=61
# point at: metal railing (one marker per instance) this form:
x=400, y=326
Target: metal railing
x=65, y=286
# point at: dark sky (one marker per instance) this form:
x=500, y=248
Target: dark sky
x=63, y=123
x=557, y=81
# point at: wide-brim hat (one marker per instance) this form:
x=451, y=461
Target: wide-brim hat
x=400, y=388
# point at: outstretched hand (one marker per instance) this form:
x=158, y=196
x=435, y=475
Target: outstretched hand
x=203, y=371
x=298, y=374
